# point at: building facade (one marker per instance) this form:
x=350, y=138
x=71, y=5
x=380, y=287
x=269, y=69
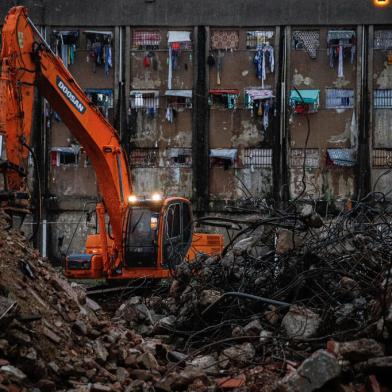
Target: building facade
x=226, y=103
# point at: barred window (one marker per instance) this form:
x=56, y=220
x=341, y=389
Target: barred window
x=144, y=157
x=311, y=155
x=255, y=39
x=257, y=157
x=307, y=40
x=143, y=99
x=382, y=98
x=339, y=98
x=224, y=39
x=146, y=40
x=383, y=39
x=179, y=157
x=382, y=158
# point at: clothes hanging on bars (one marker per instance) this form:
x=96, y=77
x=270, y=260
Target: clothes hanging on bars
x=267, y=106
x=264, y=56
x=169, y=114
x=341, y=43
x=340, y=66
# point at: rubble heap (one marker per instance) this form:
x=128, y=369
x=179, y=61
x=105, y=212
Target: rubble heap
x=308, y=301
x=292, y=304
x=52, y=337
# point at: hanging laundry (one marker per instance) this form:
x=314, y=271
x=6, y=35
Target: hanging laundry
x=169, y=114
x=211, y=60
x=341, y=43
x=177, y=41
x=264, y=56
x=232, y=101
x=108, y=58
x=65, y=45
x=340, y=66
x=146, y=61
x=260, y=109
x=99, y=45
x=267, y=106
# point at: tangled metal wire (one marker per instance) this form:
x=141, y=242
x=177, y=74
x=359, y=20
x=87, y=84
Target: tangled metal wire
x=338, y=269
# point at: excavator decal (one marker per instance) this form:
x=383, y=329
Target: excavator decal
x=70, y=95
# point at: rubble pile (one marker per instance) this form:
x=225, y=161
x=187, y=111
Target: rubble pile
x=292, y=304
x=54, y=338
x=309, y=301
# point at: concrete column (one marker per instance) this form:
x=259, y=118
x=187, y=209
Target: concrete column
x=285, y=134
x=277, y=130
x=117, y=66
x=127, y=58
x=362, y=114
x=200, y=121
x=370, y=60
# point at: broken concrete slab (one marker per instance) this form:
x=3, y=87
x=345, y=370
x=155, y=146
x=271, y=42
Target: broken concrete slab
x=300, y=322
x=312, y=374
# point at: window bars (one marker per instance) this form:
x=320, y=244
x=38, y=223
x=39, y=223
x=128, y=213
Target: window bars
x=257, y=157
x=144, y=157
x=339, y=98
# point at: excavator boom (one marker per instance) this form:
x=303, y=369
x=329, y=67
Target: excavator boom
x=27, y=60
x=148, y=237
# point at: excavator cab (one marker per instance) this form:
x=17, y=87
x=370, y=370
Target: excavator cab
x=157, y=233
x=157, y=237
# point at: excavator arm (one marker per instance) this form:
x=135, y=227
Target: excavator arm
x=27, y=60
x=148, y=236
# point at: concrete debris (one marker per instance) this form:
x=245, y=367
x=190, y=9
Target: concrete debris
x=239, y=355
x=257, y=318
x=313, y=373
x=208, y=297
x=253, y=328
x=357, y=350
x=300, y=322
x=286, y=241
x=208, y=363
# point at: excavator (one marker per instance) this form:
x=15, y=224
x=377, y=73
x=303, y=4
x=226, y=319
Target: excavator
x=138, y=237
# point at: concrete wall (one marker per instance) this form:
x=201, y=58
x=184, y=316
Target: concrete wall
x=329, y=128
x=203, y=12
x=70, y=186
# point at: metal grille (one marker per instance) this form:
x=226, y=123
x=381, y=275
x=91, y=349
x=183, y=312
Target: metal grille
x=225, y=40
x=383, y=39
x=382, y=158
x=145, y=99
x=312, y=157
x=255, y=39
x=144, y=157
x=146, y=40
x=339, y=98
x=257, y=157
x=308, y=40
x=179, y=157
x=382, y=98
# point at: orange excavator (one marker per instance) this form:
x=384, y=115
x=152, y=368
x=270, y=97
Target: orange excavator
x=137, y=237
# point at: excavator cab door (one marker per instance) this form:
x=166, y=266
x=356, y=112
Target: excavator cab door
x=177, y=234
x=141, y=244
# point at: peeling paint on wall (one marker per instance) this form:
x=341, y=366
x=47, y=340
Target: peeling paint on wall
x=170, y=181
x=350, y=134
x=249, y=136
x=341, y=83
x=299, y=80
x=385, y=78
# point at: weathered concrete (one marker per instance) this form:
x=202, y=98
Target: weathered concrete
x=197, y=12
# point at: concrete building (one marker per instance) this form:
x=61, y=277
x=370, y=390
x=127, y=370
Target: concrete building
x=221, y=101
